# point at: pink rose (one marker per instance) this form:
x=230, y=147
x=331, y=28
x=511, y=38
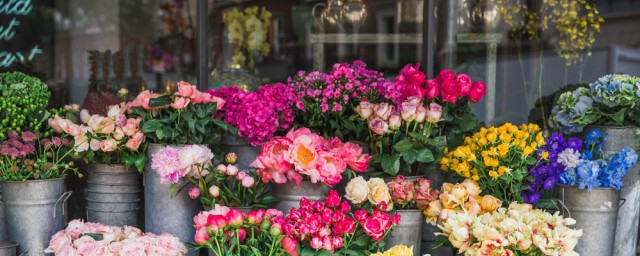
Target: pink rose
x=94, y=144
x=383, y=110
x=478, y=90
x=316, y=243
x=411, y=74
x=133, y=145
x=142, y=100
x=94, y=122
x=422, y=193
x=132, y=232
x=139, y=136
x=434, y=113
x=180, y=103
x=445, y=75
x=464, y=82
x=378, y=126
x=131, y=127
x=409, y=107
x=108, y=145
x=365, y=109
x=450, y=90
x=374, y=227
x=336, y=242
x=107, y=126
x=421, y=114
x=290, y=245
x=219, y=101
x=433, y=89
x=241, y=175
x=185, y=89
x=118, y=134
x=401, y=191
x=201, y=236
x=331, y=167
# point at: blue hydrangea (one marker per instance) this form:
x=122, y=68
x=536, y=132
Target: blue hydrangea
x=615, y=90
x=573, y=111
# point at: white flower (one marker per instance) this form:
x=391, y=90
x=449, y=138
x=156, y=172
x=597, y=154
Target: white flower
x=357, y=190
x=569, y=157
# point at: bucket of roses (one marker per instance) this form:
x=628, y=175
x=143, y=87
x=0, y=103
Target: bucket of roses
x=304, y=164
x=407, y=198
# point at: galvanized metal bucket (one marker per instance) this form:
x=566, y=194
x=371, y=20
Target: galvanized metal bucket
x=596, y=214
x=629, y=214
x=8, y=248
x=290, y=194
x=164, y=213
x=236, y=144
x=408, y=232
x=113, y=195
x=34, y=211
x=3, y=226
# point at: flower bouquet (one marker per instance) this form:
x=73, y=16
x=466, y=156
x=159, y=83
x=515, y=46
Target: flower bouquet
x=459, y=198
x=498, y=158
x=591, y=168
x=302, y=154
x=610, y=100
x=259, y=115
x=185, y=117
x=24, y=103
x=329, y=228
x=111, y=139
x=227, y=185
x=326, y=101
x=191, y=162
x=247, y=33
x=518, y=230
x=87, y=238
x=227, y=232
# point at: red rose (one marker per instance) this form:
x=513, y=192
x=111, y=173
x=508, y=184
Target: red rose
x=450, y=90
x=478, y=89
x=464, y=82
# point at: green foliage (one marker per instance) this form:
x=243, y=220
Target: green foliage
x=23, y=105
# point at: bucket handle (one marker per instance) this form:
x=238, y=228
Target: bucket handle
x=622, y=201
x=63, y=198
x=564, y=207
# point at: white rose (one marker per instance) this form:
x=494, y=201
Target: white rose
x=357, y=190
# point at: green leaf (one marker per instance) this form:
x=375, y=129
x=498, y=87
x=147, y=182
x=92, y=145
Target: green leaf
x=391, y=164
x=403, y=145
x=160, y=101
x=361, y=240
x=151, y=126
x=424, y=156
x=409, y=156
x=160, y=134
x=307, y=252
x=324, y=253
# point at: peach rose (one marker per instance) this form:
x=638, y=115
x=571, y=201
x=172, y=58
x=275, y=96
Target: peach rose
x=133, y=144
x=108, y=145
x=449, y=201
x=472, y=187
x=185, y=89
x=490, y=203
x=180, y=103
x=460, y=193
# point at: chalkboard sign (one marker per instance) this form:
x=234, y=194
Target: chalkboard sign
x=26, y=32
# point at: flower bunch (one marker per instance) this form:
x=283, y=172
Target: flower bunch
x=498, y=158
x=330, y=226
x=302, y=152
x=247, y=32
x=403, y=136
x=229, y=186
x=259, y=115
x=446, y=87
x=552, y=160
x=518, y=230
x=87, y=238
x=458, y=198
x=32, y=156
x=610, y=100
x=185, y=117
x=398, y=250
x=23, y=105
x=399, y=192
x=592, y=168
x=111, y=139
x=227, y=231
x=174, y=163
x=326, y=101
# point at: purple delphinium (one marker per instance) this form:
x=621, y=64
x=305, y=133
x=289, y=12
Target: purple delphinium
x=547, y=172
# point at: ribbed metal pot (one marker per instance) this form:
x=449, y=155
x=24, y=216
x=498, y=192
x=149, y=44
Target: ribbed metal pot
x=236, y=144
x=113, y=195
x=3, y=226
x=290, y=194
x=408, y=232
x=8, y=248
x=164, y=213
x=34, y=211
x=629, y=213
x=595, y=213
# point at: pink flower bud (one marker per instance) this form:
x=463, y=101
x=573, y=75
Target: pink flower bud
x=231, y=158
x=214, y=191
x=232, y=170
x=194, y=192
x=248, y=182
x=235, y=217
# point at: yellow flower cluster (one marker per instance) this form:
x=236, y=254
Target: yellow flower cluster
x=576, y=22
x=493, y=152
x=248, y=33
x=461, y=197
x=398, y=250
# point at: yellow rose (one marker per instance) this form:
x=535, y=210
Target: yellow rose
x=490, y=203
x=357, y=190
x=459, y=191
x=446, y=187
x=449, y=201
x=472, y=187
x=379, y=192
x=400, y=250
x=433, y=211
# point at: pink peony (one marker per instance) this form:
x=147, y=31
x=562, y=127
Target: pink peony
x=201, y=236
x=352, y=154
x=273, y=162
x=290, y=245
x=167, y=163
